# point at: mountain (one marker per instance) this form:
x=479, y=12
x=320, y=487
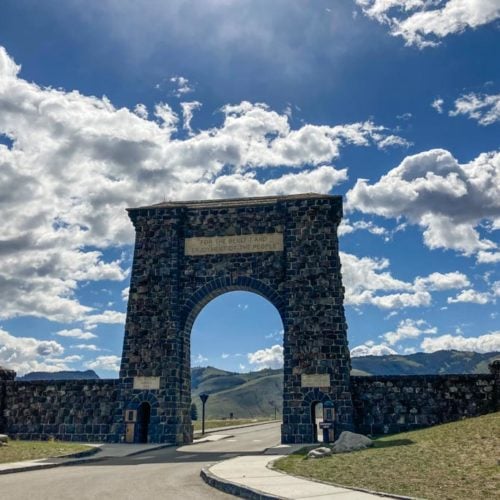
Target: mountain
x=249, y=395
x=62, y=375
x=421, y=363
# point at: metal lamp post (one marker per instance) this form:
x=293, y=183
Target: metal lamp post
x=203, y=397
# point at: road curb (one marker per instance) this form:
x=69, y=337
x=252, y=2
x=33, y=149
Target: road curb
x=235, y=488
x=80, y=456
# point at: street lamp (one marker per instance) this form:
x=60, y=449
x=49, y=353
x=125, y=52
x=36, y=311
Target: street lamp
x=203, y=397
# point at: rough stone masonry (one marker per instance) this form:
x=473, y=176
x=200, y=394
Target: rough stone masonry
x=284, y=248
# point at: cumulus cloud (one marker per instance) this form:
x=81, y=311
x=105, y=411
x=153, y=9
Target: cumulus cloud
x=409, y=329
x=107, y=317
x=367, y=280
x=371, y=349
x=76, y=333
x=446, y=199
x=105, y=363
x=484, y=343
x=270, y=357
x=26, y=354
x=424, y=23
x=472, y=296
x=483, y=108
x=76, y=161
x=347, y=227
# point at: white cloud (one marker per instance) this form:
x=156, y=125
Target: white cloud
x=182, y=85
x=125, y=293
x=346, y=227
x=142, y=111
x=105, y=363
x=270, y=357
x=371, y=349
x=483, y=108
x=76, y=333
x=198, y=360
x=439, y=281
x=79, y=160
x=484, y=343
x=26, y=354
x=87, y=347
x=424, y=23
x=447, y=199
x=472, y=296
x=187, y=114
x=437, y=104
x=224, y=355
x=366, y=279
x=106, y=317
x=409, y=329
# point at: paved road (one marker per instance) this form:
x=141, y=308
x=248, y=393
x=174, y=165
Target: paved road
x=168, y=473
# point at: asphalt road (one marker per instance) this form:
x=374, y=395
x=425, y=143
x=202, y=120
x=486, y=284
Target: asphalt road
x=167, y=473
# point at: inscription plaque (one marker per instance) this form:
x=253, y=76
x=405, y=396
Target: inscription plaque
x=315, y=380
x=245, y=243
x=147, y=383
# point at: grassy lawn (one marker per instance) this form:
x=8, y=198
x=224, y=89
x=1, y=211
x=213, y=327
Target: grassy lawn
x=211, y=424
x=16, y=451
x=460, y=460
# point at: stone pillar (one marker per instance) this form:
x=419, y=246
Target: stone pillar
x=316, y=355
x=5, y=377
x=494, y=367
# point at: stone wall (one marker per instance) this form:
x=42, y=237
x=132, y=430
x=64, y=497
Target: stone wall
x=69, y=410
x=391, y=404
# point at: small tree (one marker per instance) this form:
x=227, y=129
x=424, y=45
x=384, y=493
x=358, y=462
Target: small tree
x=194, y=412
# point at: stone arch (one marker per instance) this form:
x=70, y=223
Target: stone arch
x=284, y=248
x=205, y=294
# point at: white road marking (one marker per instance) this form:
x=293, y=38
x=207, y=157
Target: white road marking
x=182, y=457
x=142, y=457
x=257, y=440
x=231, y=440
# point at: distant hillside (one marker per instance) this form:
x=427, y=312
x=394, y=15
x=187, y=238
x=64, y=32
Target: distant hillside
x=421, y=363
x=63, y=375
x=249, y=394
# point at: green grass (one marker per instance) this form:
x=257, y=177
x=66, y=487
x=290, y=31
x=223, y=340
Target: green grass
x=17, y=451
x=459, y=461
x=211, y=424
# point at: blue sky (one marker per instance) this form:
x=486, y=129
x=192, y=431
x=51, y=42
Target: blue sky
x=393, y=104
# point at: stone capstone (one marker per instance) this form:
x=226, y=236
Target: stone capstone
x=350, y=441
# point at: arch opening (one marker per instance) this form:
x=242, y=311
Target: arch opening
x=316, y=419
x=143, y=420
x=236, y=354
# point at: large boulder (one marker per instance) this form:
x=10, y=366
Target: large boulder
x=3, y=439
x=319, y=452
x=350, y=441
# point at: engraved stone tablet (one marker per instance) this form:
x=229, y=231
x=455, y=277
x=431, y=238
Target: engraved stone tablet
x=245, y=243
x=315, y=380
x=147, y=383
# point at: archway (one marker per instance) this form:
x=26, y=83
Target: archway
x=283, y=248
x=317, y=417
x=143, y=420
x=237, y=357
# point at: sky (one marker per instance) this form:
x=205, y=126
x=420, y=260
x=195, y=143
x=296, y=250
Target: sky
x=393, y=104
